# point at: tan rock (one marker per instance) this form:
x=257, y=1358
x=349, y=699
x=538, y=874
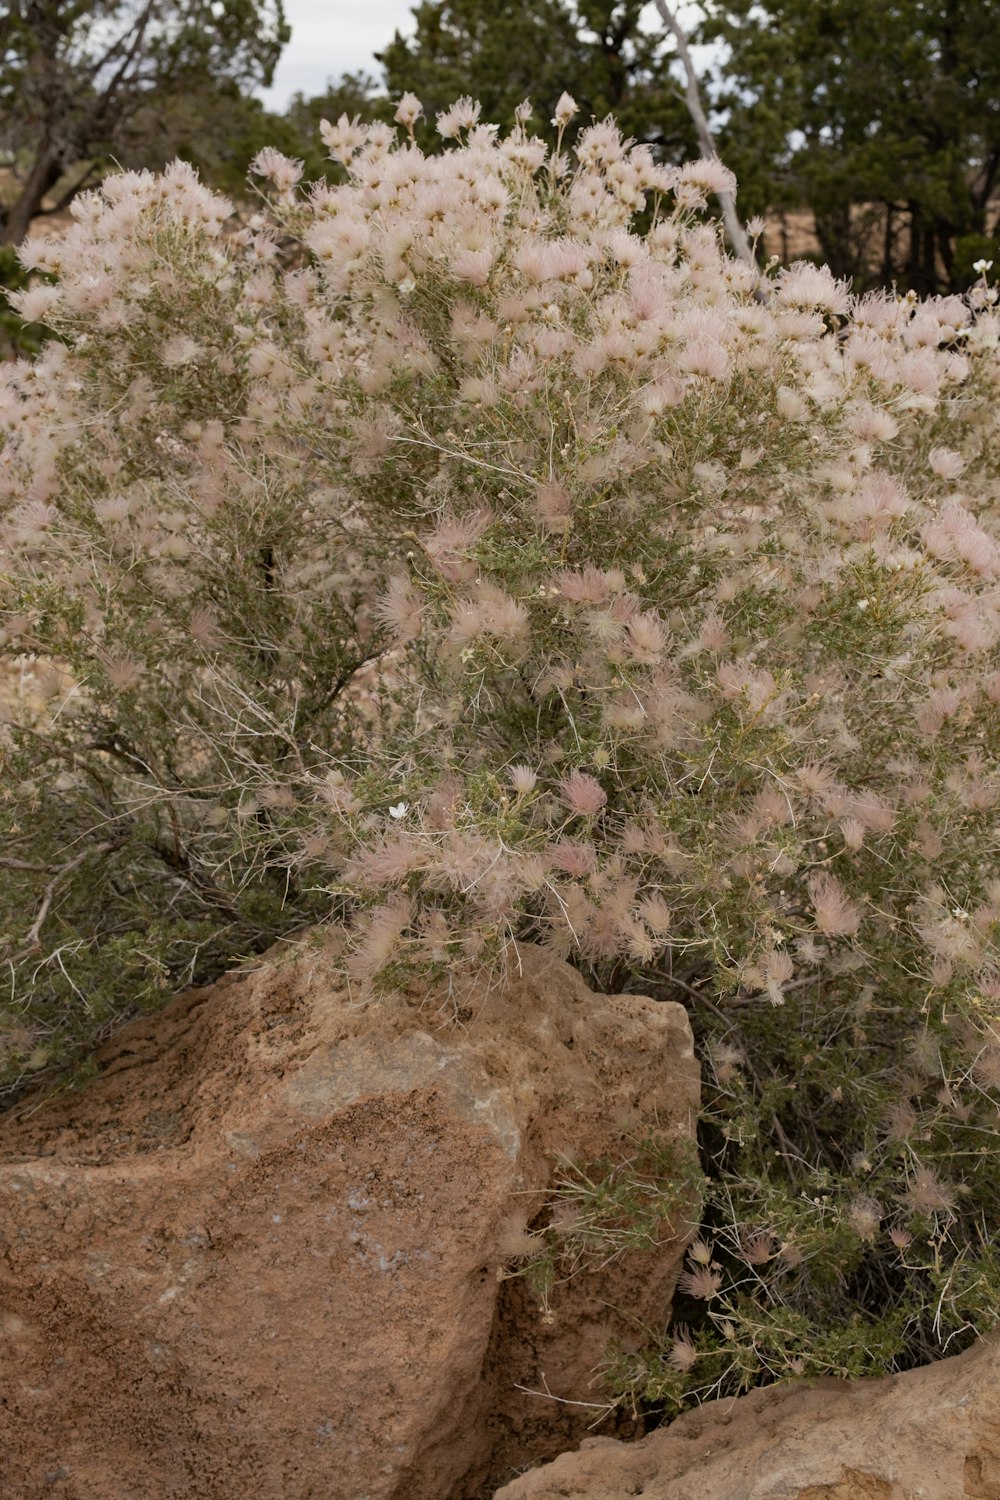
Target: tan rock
x=257, y=1258
x=931, y=1434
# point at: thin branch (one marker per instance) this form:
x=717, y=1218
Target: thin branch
x=34, y=933
x=735, y=232
x=465, y=458
x=27, y=864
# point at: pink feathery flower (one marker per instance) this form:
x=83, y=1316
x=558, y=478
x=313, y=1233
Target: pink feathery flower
x=656, y=914
x=381, y=934
x=705, y=357
x=806, y=285
x=708, y=174
x=203, y=626
x=836, y=915
x=590, y=586
x=683, y=1355
x=387, y=862
x=572, y=857
x=522, y=779
x=700, y=1282
x=946, y=463
x=552, y=500
x=566, y=108
x=582, y=794
x=343, y=139
x=179, y=349
x=408, y=111
x=462, y=116
x=283, y=171
x=401, y=608
x=36, y=303
x=926, y=1193
x=647, y=637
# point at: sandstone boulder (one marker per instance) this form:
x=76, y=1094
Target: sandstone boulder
x=257, y=1259
x=931, y=1434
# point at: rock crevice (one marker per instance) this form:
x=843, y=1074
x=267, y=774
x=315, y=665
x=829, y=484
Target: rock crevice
x=930, y=1434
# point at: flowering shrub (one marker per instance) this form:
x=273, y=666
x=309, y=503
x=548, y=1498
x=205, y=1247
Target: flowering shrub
x=472, y=551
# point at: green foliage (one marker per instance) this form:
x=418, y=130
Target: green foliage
x=218, y=129
x=880, y=118
x=853, y=1184
x=502, y=54
x=80, y=81
x=121, y=913
x=599, y=1211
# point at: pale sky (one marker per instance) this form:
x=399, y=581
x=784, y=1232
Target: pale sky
x=332, y=37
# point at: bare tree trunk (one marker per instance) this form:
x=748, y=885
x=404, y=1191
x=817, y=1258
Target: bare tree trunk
x=45, y=173
x=888, y=244
x=735, y=232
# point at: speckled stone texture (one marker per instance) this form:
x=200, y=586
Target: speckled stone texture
x=257, y=1258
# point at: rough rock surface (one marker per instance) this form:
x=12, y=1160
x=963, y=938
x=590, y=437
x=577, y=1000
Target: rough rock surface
x=257, y=1258
x=932, y=1434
